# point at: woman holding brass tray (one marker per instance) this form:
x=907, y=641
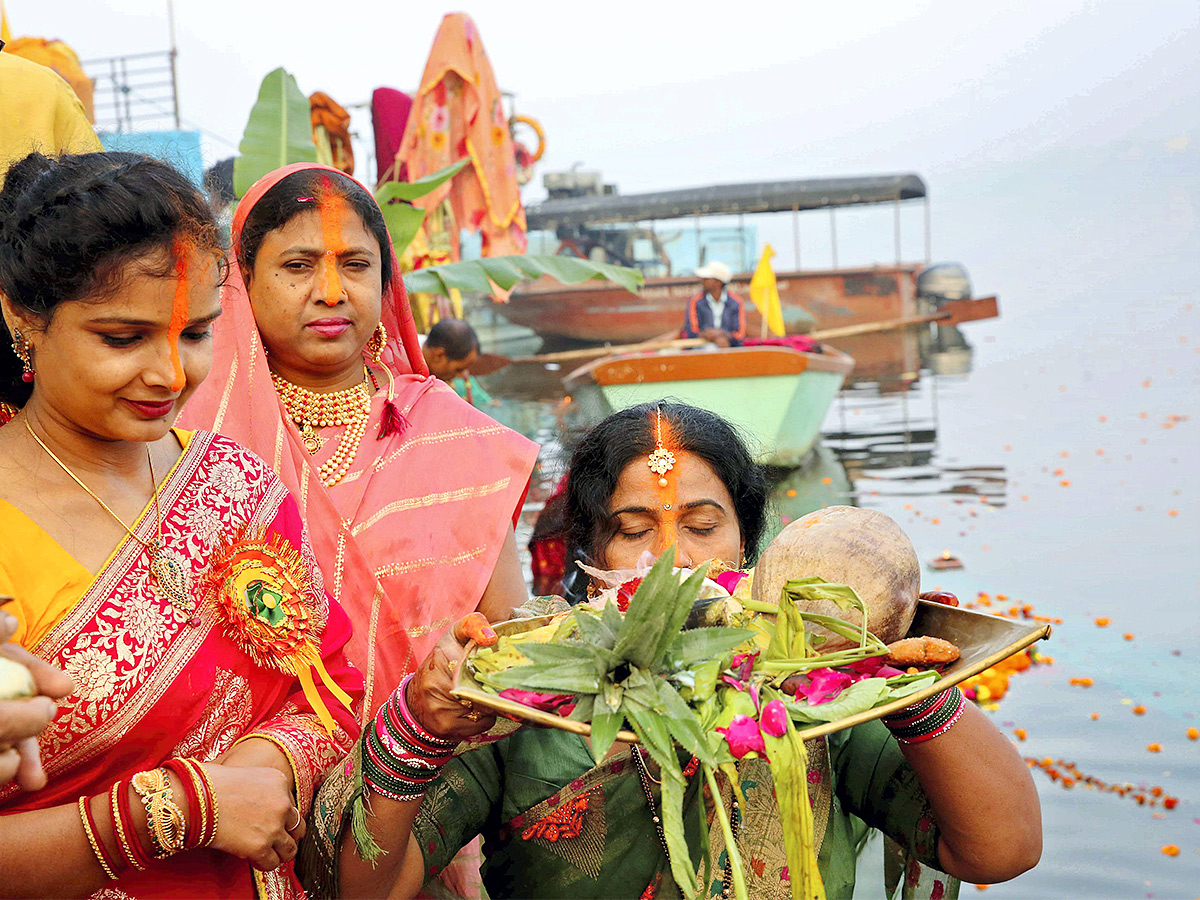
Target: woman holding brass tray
x=766, y=726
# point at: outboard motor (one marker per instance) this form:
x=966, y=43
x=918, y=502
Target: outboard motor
x=941, y=282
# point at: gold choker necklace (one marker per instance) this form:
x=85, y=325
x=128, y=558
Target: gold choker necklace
x=312, y=411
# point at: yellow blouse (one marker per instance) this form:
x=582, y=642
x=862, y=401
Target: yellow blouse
x=44, y=579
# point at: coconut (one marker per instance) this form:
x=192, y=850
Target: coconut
x=846, y=545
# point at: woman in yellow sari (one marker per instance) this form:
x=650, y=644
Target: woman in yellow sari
x=167, y=572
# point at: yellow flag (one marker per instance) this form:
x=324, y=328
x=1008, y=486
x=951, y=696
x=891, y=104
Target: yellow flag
x=764, y=293
x=5, y=34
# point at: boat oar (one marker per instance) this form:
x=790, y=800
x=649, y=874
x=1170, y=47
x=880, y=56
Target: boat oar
x=952, y=312
x=490, y=362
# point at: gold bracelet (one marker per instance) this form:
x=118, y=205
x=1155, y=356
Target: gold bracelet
x=165, y=818
x=122, y=838
x=91, y=837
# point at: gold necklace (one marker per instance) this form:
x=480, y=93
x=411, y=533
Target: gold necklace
x=312, y=411
x=165, y=571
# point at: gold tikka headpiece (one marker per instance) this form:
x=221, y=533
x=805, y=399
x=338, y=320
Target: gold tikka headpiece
x=661, y=460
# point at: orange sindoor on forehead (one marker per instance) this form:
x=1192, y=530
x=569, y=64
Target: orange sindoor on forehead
x=333, y=216
x=664, y=463
x=183, y=250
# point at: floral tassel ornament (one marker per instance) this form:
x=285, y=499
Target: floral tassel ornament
x=393, y=421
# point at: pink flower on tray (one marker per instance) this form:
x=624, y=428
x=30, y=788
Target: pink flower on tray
x=729, y=580
x=874, y=667
x=743, y=737
x=536, y=699
x=824, y=685
x=773, y=718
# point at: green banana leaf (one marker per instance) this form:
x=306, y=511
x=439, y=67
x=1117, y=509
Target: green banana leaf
x=395, y=199
x=415, y=190
x=507, y=271
x=278, y=132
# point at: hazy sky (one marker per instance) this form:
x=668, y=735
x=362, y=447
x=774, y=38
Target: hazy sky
x=671, y=94
x=659, y=95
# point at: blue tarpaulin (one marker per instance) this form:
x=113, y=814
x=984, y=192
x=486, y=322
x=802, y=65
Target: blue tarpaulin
x=179, y=148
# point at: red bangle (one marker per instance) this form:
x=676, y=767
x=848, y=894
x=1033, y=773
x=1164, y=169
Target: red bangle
x=127, y=834
x=93, y=833
x=205, y=786
x=194, y=824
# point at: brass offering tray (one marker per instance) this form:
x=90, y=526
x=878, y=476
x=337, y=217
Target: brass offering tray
x=982, y=639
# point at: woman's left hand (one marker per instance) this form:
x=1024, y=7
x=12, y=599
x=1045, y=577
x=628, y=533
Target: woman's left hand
x=429, y=691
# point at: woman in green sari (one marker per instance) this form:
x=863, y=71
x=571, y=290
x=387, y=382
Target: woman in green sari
x=940, y=781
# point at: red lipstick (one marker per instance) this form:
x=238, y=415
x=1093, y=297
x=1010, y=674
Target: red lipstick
x=151, y=410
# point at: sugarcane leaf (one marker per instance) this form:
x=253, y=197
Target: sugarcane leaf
x=789, y=770
x=605, y=726
x=278, y=132
x=583, y=710
x=611, y=617
x=594, y=630
x=564, y=651
x=653, y=733
x=414, y=190
x=682, y=869
x=561, y=678
x=814, y=589
x=648, y=612
x=858, y=697
x=701, y=644
x=642, y=689
x=706, y=675
x=684, y=725
x=684, y=597
x=912, y=683
x=611, y=696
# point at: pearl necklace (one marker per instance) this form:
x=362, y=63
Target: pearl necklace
x=312, y=411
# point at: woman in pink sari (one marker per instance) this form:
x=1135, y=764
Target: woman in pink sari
x=409, y=493
x=167, y=572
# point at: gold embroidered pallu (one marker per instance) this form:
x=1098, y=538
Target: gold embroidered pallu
x=154, y=681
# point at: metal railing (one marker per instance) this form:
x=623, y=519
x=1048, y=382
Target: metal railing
x=138, y=92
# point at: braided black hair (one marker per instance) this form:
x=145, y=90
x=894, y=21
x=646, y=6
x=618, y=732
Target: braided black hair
x=69, y=226
x=283, y=202
x=630, y=434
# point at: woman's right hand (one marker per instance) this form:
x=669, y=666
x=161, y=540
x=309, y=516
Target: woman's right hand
x=429, y=691
x=22, y=720
x=255, y=809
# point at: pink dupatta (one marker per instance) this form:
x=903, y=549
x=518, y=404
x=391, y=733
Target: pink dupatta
x=409, y=537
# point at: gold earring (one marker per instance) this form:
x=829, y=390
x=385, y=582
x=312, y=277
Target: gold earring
x=375, y=345
x=21, y=348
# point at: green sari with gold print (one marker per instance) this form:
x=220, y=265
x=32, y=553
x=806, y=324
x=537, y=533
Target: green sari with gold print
x=556, y=825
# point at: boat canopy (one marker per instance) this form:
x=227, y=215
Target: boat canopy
x=725, y=199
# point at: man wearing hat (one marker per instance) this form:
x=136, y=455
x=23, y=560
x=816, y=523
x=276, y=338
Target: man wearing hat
x=715, y=314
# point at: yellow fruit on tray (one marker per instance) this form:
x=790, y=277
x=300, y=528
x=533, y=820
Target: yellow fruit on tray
x=15, y=680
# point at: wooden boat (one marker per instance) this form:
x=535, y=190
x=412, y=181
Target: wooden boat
x=593, y=224
x=777, y=397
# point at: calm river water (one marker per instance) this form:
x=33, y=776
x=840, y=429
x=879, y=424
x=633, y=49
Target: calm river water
x=1058, y=458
